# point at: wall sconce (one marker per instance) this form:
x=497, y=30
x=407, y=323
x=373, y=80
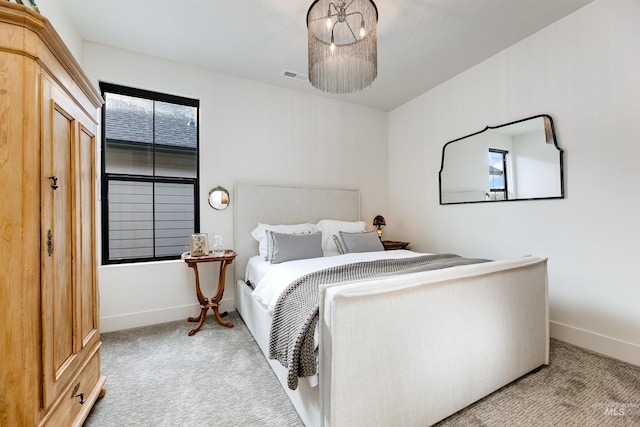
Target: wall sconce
x=379, y=223
x=218, y=198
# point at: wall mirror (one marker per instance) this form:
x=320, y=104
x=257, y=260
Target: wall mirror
x=219, y=198
x=520, y=160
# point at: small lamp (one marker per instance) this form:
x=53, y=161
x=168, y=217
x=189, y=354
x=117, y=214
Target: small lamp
x=379, y=223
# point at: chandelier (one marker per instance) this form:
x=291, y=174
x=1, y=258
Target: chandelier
x=343, y=45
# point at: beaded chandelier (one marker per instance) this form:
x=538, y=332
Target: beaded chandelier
x=343, y=45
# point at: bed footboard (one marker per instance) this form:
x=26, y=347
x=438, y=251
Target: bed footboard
x=415, y=350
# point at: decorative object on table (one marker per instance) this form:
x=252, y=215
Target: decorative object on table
x=218, y=246
x=379, y=223
x=343, y=45
x=199, y=244
x=218, y=198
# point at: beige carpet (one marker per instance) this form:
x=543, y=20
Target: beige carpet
x=159, y=376
x=578, y=388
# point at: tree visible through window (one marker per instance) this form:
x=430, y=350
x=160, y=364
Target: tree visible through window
x=498, y=174
x=149, y=174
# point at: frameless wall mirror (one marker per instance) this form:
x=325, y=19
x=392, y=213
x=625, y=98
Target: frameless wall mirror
x=520, y=160
x=219, y=198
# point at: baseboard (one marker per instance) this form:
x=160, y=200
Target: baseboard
x=152, y=317
x=602, y=344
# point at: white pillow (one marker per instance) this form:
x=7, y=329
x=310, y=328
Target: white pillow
x=260, y=233
x=329, y=227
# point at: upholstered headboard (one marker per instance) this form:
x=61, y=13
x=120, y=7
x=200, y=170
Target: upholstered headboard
x=285, y=205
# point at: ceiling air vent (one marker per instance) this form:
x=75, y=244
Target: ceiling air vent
x=294, y=75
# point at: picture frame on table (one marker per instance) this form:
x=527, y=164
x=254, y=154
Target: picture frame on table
x=199, y=244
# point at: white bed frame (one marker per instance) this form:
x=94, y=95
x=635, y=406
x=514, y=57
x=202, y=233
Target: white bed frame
x=400, y=351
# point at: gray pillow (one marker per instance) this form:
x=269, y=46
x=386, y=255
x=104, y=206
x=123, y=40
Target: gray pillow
x=361, y=242
x=270, y=241
x=289, y=247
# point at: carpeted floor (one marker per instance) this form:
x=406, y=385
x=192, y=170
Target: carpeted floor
x=159, y=376
x=578, y=388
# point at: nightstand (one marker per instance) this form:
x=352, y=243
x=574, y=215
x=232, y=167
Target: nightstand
x=390, y=245
x=205, y=303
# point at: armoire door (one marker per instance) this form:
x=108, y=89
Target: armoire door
x=58, y=293
x=85, y=226
x=69, y=285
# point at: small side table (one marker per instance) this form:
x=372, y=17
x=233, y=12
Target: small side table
x=390, y=245
x=205, y=304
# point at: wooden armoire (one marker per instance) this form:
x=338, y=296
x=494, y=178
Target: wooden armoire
x=50, y=339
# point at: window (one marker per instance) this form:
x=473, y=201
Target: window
x=149, y=174
x=498, y=174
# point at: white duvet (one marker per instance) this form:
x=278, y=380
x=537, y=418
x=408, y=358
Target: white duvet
x=270, y=280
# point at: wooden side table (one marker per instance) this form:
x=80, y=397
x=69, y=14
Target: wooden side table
x=390, y=245
x=206, y=304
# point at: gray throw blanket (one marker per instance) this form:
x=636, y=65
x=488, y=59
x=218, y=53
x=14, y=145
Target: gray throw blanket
x=297, y=310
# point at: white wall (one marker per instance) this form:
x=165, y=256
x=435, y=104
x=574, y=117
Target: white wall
x=56, y=14
x=583, y=71
x=251, y=133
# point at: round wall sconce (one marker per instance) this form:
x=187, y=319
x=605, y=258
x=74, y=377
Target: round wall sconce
x=219, y=198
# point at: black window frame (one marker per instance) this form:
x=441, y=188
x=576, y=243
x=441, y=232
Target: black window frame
x=504, y=190
x=105, y=177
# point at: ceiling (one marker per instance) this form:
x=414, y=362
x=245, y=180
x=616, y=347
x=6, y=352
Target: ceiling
x=421, y=43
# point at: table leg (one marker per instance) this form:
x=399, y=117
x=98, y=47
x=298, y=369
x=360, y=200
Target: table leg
x=204, y=302
x=199, y=319
x=219, y=316
x=216, y=299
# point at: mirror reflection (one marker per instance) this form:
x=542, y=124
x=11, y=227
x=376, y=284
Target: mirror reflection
x=219, y=198
x=516, y=161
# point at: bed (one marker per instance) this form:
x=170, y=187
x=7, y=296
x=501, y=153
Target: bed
x=400, y=350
